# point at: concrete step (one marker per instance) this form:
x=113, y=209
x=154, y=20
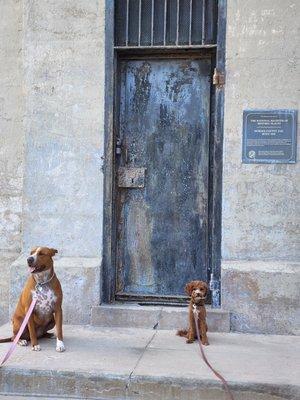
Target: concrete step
x=167, y=317
x=147, y=364
x=19, y=397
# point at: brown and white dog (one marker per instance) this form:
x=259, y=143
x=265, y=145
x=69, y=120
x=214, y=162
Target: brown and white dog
x=197, y=290
x=47, y=312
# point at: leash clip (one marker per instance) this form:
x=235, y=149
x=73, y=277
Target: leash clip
x=195, y=310
x=38, y=288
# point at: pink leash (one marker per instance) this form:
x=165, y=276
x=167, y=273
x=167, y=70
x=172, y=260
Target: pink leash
x=21, y=330
x=218, y=375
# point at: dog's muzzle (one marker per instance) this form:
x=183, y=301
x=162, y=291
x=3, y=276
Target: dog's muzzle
x=31, y=264
x=30, y=261
x=199, y=299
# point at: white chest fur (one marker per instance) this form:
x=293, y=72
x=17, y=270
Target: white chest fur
x=46, y=300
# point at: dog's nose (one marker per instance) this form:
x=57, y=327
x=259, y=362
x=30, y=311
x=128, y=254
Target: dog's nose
x=30, y=260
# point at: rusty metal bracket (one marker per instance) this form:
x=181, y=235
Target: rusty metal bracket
x=131, y=177
x=218, y=79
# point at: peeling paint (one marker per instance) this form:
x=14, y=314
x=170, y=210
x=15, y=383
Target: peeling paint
x=162, y=236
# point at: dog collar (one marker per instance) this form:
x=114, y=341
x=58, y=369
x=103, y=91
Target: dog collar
x=39, y=285
x=196, y=306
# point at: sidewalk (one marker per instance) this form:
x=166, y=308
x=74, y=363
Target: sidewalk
x=147, y=364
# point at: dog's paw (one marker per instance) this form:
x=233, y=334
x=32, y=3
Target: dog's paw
x=22, y=342
x=205, y=343
x=60, y=347
x=36, y=347
x=190, y=341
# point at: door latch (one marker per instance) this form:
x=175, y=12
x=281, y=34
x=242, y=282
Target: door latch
x=119, y=146
x=218, y=79
x=131, y=177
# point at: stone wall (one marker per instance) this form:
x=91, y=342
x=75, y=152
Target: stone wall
x=261, y=208
x=51, y=125
x=263, y=297
x=11, y=142
x=64, y=94
x=51, y=122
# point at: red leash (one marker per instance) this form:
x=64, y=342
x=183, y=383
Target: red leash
x=21, y=330
x=226, y=387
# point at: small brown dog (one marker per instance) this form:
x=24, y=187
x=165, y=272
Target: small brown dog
x=47, y=312
x=198, y=291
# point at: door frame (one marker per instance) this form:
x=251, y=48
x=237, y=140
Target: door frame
x=108, y=276
x=195, y=54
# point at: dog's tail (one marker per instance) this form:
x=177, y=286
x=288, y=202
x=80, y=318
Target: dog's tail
x=6, y=340
x=182, y=332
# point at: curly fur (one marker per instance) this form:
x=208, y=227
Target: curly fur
x=197, y=290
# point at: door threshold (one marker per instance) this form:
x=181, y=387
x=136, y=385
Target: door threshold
x=161, y=303
x=151, y=299
x=155, y=300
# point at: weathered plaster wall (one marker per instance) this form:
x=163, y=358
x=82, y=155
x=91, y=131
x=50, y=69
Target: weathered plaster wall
x=64, y=90
x=263, y=297
x=11, y=142
x=261, y=207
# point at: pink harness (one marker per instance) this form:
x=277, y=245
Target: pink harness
x=21, y=330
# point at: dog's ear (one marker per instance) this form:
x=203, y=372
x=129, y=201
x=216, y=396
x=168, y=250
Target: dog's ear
x=206, y=286
x=201, y=285
x=189, y=288
x=52, y=252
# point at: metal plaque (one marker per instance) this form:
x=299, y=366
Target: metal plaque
x=131, y=177
x=269, y=136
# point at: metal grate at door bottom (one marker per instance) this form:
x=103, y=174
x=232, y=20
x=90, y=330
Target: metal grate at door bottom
x=163, y=304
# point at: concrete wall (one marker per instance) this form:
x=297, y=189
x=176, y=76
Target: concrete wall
x=263, y=297
x=261, y=207
x=64, y=93
x=51, y=122
x=52, y=73
x=11, y=142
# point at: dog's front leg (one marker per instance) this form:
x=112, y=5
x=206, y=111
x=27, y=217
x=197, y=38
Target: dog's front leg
x=32, y=334
x=191, y=332
x=60, y=347
x=203, y=329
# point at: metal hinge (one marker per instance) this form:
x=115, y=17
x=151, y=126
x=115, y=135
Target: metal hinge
x=118, y=146
x=218, y=79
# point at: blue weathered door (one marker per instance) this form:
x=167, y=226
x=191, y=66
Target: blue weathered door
x=162, y=174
